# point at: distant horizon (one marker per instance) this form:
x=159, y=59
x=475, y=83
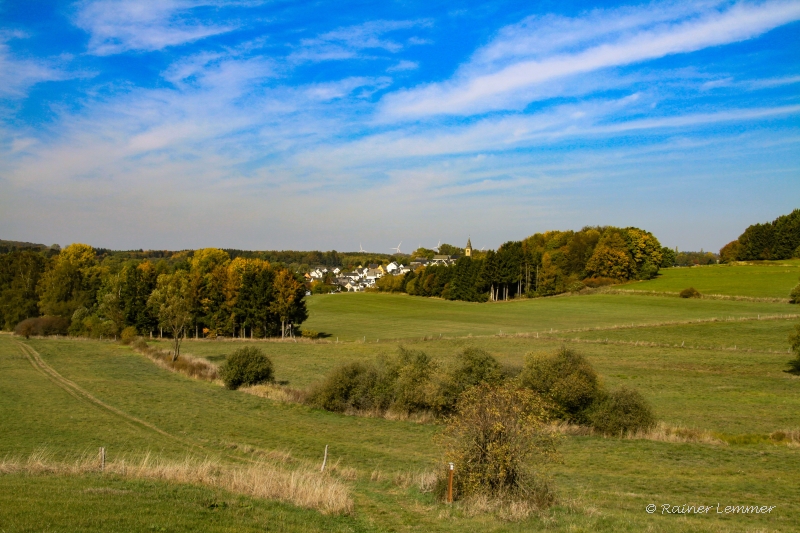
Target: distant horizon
x=185, y=124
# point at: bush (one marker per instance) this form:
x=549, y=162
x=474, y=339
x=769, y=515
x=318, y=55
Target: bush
x=691, y=292
x=139, y=344
x=309, y=334
x=414, y=388
x=42, y=326
x=794, y=296
x=621, y=411
x=127, y=335
x=566, y=378
x=407, y=383
x=500, y=444
x=350, y=386
x=246, y=366
x=473, y=366
x=794, y=343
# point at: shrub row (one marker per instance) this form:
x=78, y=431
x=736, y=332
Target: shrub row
x=412, y=382
x=407, y=383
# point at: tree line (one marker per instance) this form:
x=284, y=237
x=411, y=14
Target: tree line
x=190, y=293
x=543, y=264
x=776, y=240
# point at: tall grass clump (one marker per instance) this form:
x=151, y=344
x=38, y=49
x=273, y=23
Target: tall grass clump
x=500, y=444
x=246, y=366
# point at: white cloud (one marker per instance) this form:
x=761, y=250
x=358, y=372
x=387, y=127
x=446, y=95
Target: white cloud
x=116, y=26
x=403, y=66
x=508, y=73
x=352, y=41
x=17, y=75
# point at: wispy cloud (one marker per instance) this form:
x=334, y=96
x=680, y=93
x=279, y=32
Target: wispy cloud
x=403, y=66
x=249, y=129
x=505, y=74
x=17, y=75
x=116, y=26
x=352, y=41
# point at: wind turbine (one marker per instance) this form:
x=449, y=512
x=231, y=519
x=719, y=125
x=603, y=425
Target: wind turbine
x=438, y=246
x=397, y=248
x=361, y=248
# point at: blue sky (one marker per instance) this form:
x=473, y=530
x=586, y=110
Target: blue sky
x=330, y=125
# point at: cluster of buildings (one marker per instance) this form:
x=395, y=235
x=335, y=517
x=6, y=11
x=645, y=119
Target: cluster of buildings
x=361, y=278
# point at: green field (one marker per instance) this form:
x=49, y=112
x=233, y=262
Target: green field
x=766, y=279
x=371, y=317
x=716, y=366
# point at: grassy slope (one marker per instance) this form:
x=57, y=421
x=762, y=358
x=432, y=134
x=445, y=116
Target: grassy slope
x=603, y=484
x=379, y=316
x=772, y=279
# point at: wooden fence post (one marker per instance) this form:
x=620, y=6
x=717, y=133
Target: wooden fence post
x=102, y=458
x=450, y=485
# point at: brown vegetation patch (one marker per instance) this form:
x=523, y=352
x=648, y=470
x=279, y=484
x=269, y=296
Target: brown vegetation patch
x=304, y=488
x=186, y=364
x=278, y=393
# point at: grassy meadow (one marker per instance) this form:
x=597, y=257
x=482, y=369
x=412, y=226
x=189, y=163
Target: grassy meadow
x=712, y=366
x=764, y=279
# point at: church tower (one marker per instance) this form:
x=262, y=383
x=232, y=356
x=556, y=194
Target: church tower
x=468, y=249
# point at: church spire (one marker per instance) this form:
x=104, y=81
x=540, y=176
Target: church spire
x=468, y=249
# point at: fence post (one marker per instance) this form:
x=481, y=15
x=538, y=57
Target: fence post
x=324, y=459
x=102, y=458
x=450, y=485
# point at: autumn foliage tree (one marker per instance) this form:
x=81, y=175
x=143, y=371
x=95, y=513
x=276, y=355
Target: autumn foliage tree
x=500, y=443
x=170, y=301
x=288, y=304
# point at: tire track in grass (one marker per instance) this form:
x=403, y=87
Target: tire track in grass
x=83, y=395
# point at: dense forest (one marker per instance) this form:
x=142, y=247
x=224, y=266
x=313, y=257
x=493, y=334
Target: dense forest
x=779, y=239
x=99, y=292
x=544, y=264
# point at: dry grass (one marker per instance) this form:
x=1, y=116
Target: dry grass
x=506, y=510
x=666, y=433
x=673, y=294
x=661, y=432
x=424, y=481
x=187, y=365
x=278, y=393
x=790, y=437
x=419, y=417
x=304, y=488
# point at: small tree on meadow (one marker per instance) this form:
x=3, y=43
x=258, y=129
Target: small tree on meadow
x=500, y=444
x=288, y=304
x=170, y=303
